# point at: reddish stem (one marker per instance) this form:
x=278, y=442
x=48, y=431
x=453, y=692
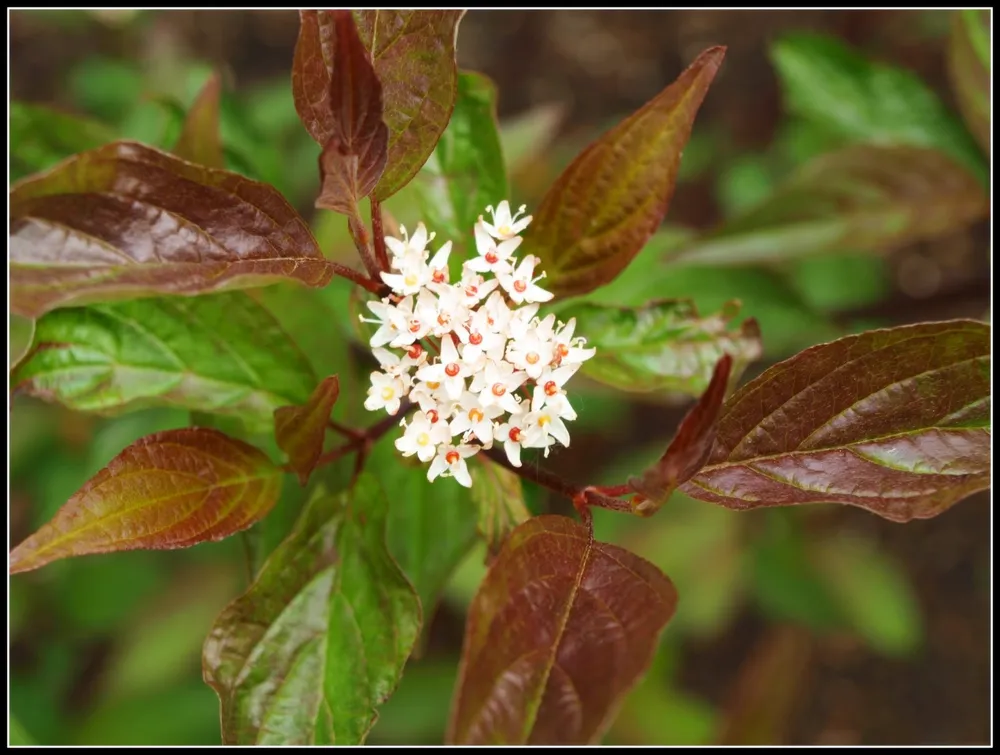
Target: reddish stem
x=376, y=287
x=361, y=242
x=381, y=255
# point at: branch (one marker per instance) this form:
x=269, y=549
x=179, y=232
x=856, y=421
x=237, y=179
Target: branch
x=375, y=286
x=583, y=496
x=364, y=439
x=381, y=255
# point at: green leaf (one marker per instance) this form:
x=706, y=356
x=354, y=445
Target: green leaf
x=200, y=141
x=466, y=171
x=129, y=221
x=526, y=136
x=431, y=526
x=300, y=430
x=662, y=346
x=498, y=494
x=611, y=199
x=561, y=629
x=871, y=591
x=825, y=80
x=320, y=639
x=969, y=67
x=40, y=137
x=864, y=197
x=222, y=353
x=895, y=421
x=17, y=736
x=183, y=487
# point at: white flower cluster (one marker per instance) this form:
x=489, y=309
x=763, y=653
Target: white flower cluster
x=498, y=371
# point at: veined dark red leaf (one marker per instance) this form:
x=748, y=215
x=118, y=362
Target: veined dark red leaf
x=688, y=450
x=339, y=99
x=300, y=430
x=895, y=421
x=168, y=490
x=611, y=199
x=561, y=628
x=126, y=221
x=413, y=52
x=200, y=141
x=320, y=639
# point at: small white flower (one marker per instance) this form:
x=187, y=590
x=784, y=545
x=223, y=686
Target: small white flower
x=391, y=322
x=481, y=339
x=569, y=350
x=472, y=416
x=422, y=437
x=549, y=392
x=409, y=248
x=511, y=434
x=450, y=462
x=541, y=426
x=450, y=370
x=386, y=391
x=473, y=287
x=438, y=265
x=504, y=226
x=496, y=385
x=531, y=351
x=398, y=366
x=417, y=319
x=493, y=257
x=520, y=286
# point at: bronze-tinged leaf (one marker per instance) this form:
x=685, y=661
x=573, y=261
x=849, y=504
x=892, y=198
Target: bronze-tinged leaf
x=611, y=199
x=969, y=67
x=320, y=639
x=414, y=56
x=561, y=628
x=168, y=490
x=200, y=141
x=128, y=221
x=866, y=197
x=894, y=421
x=300, y=430
x=689, y=449
x=339, y=99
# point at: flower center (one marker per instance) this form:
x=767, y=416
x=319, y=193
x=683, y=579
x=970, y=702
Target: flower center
x=491, y=256
x=443, y=319
x=490, y=321
x=544, y=420
x=452, y=369
x=532, y=357
x=504, y=230
x=414, y=326
x=515, y=434
x=415, y=351
x=432, y=415
x=551, y=389
x=452, y=457
x=433, y=385
x=475, y=339
x=471, y=290
x=423, y=439
x=438, y=276
x=562, y=350
x=411, y=280
x=499, y=389
x=475, y=415
x=520, y=286
x=388, y=392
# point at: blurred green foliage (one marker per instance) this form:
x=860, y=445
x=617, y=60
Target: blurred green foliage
x=106, y=650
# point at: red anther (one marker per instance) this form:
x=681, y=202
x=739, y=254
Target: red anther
x=520, y=286
x=491, y=256
x=414, y=326
x=432, y=415
x=499, y=389
x=475, y=339
x=562, y=350
x=515, y=434
x=452, y=456
x=471, y=290
x=415, y=351
x=551, y=389
x=438, y=276
x=452, y=369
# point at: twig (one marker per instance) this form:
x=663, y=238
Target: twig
x=381, y=255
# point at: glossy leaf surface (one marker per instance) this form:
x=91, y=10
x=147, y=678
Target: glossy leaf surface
x=319, y=640
x=168, y=490
x=561, y=628
x=895, y=421
x=300, y=430
x=126, y=220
